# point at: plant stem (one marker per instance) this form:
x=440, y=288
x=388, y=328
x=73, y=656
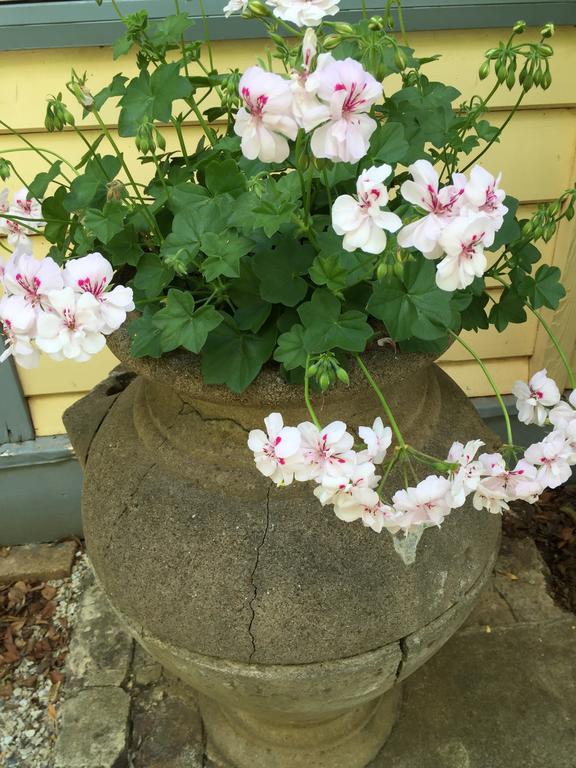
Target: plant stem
x=391, y=464
x=492, y=383
x=554, y=340
x=311, y=410
x=497, y=135
x=328, y=190
x=178, y=126
x=389, y=415
x=38, y=151
x=206, y=33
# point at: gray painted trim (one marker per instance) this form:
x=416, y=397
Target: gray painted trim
x=15, y=422
x=71, y=23
x=41, y=481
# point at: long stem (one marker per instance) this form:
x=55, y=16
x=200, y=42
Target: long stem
x=327, y=186
x=497, y=135
x=311, y=410
x=178, y=126
x=389, y=415
x=554, y=340
x=206, y=33
x=151, y=219
x=492, y=383
x=38, y=151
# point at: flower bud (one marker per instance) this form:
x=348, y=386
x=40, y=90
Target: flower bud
x=545, y=50
x=312, y=369
x=160, y=140
x=519, y=27
x=398, y=269
x=484, y=70
x=257, y=10
x=343, y=29
x=382, y=270
x=178, y=262
x=570, y=212
x=324, y=381
x=115, y=191
x=547, y=30
x=49, y=121
x=376, y=24
x=510, y=78
x=492, y=53
x=538, y=74
x=343, y=376
x=332, y=41
x=4, y=169
x=501, y=71
x=548, y=231
x=400, y=58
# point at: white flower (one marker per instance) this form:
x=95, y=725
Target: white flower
x=466, y=479
x=27, y=208
x=304, y=13
x=265, y=120
x=491, y=497
x=71, y=328
x=482, y=194
x=334, y=488
x=534, y=399
x=93, y=274
x=463, y=240
x=551, y=456
x=440, y=204
x=349, y=92
x=29, y=277
x=309, y=49
x=429, y=502
x=276, y=453
x=18, y=321
x=377, y=439
x=522, y=483
x=363, y=503
x=361, y=219
x=326, y=452
x=233, y=6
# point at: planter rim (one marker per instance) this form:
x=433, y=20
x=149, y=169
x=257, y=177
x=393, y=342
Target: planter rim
x=182, y=370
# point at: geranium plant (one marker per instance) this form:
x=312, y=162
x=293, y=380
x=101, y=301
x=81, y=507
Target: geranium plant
x=322, y=213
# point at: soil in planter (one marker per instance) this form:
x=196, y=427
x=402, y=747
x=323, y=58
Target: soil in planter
x=552, y=524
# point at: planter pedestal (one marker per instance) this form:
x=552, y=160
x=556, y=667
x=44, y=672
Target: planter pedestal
x=294, y=627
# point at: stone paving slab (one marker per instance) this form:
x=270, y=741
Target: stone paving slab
x=500, y=694
x=37, y=562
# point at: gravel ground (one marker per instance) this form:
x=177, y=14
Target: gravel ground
x=35, y=618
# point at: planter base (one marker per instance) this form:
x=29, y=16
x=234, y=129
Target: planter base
x=241, y=739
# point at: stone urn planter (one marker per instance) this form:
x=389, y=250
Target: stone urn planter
x=296, y=629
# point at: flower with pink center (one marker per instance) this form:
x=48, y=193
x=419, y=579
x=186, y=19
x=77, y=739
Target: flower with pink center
x=334, y=489
x=364, y=504
x=4, y=200
x=29, y=277
x=325, y=452
x=522, y=483
x=551, y=457
x=16, y=231
x=483, y=195
x=534, y=399
x=265, y=122
x=276, y=451
x=362, y=219
x=304, y=13
x=377, y=439
x=491, y=496
x=463, y=241
x=441, y=205
x=429, y=502
x=307, y=109
x=349, y=92
x=71, y=327
x=18, y=324
x=93, y=274
x=467, y=477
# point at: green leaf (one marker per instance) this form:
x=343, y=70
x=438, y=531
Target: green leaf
x=414, y=306
x=279, y=268
x=182, y=325
x=151, y=96
x=106, y=223
x=547, y=290
x=169, y=31
x=474, y=317
x=121, y=46
x=116, y=88
x=53, y=208
x=510, y=229
x=526, y=255
x=252, y=311
x=223, y=252
x=291, y=351
x=225, y=176
x=326, y=327
x=188, y=227
x=510, y=309
x=235, y=358
x=186, y=196
x=276, y=208
x=89, y=189
x=152, y=275
x=39, y=183
x=124, y=248
x=388, y=144
x=327, y=270
x=145, y=336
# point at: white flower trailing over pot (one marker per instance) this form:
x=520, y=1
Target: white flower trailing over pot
x=319, y=218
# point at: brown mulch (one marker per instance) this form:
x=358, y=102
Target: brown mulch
x=28, y=633
x=552, y=524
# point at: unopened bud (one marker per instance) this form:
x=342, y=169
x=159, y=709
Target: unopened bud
x=178, y=262
x=49, y=121
x=160, y=140
x=398, y=269
x=324, y=381
x=257, y=10
x=343, y=376
x=400, y=58
x=4, y=169
x=332, y=41
x=547, y=30
x=376, y=24
x=484, y=70
x=382, y=270
x=115, y=191
x=519, y=27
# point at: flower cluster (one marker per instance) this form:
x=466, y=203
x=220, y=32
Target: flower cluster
x=330, y=101
x=303, y=13
x=65, y=313
x=27, y=213
x=346, y=478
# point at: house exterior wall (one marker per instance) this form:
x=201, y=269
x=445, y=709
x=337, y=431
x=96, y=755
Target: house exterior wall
x=537, y=157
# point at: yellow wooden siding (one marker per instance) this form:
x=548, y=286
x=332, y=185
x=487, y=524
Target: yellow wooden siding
x=537, y=158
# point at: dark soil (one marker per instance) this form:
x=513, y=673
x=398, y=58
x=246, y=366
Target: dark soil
x=552, y=524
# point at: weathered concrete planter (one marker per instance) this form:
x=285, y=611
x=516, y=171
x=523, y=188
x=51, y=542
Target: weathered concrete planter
x=295, y=627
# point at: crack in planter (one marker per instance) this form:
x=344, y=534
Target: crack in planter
x=217, y=418
x=253, y=574
x=403, y=645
